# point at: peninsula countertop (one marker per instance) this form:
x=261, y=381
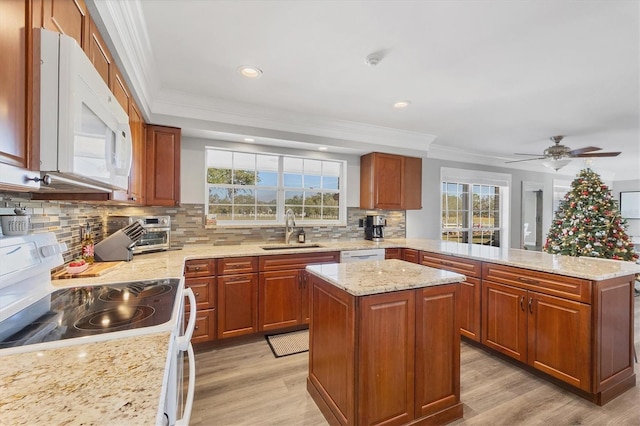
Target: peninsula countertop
x=382, y=276
x=170, y=264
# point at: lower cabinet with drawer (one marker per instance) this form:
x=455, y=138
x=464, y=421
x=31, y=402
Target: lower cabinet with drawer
x=200, y=276
x=237, y=296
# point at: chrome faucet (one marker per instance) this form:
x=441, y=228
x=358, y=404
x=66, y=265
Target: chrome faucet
x=289, y=223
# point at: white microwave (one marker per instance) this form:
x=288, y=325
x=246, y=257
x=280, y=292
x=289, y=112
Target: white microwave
x=84, y=134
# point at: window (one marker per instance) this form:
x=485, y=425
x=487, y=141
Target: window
x=473, y=212
x=258, y=188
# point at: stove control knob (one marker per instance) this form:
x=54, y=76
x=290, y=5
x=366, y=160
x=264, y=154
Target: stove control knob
x=53, y=249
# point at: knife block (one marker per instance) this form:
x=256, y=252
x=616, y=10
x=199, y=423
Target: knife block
x=116, y=246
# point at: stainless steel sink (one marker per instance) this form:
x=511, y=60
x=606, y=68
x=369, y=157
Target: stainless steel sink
x=289, y=246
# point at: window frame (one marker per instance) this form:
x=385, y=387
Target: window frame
x=280, y=189
x=468, y=179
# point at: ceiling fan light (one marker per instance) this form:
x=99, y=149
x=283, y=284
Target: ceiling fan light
x=555, y=164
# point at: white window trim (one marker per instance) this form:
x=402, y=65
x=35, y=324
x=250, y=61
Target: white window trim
x=503, y=180
x=280, y=212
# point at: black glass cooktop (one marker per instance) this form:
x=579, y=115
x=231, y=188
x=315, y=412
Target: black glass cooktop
x=87, y=311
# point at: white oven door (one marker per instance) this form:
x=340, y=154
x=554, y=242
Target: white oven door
x=177, y=404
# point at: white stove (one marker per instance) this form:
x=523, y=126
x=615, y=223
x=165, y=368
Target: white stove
x=34, y=315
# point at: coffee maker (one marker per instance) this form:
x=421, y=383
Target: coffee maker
x=373, y=225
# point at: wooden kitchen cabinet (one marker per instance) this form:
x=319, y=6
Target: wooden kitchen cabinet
x=200, y=276
x=411, y=255
x=391, y=182
x=541, y=320
x=237, y=296
x=68, y=17
x=470, y=290
x=390, y=358
x=137, y=182
x=283, y=291
x=393, y=253
x=15, y=84
x=548, y=333
x=162, y=166
x=99, y=55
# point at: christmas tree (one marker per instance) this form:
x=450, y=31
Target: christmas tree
x=588, y=222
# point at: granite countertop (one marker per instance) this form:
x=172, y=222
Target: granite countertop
x=170, y=264
x=382, y=276
x=111, y=382
x=579, y=267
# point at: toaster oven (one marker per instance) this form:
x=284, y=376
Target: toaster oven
x=157, y=234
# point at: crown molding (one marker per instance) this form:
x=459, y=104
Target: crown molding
x=192, y=106
x=126, y=28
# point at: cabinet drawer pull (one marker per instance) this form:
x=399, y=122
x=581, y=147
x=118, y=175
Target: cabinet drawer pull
x=522, y=303
x=528, y=281
x=442, y=262
x=531, y=304
x=234, y=279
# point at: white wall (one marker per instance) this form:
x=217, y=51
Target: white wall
x=425, y=223
x=192, y=164
x=633, y=225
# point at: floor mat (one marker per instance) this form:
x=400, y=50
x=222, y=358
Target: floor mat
x=291, y=343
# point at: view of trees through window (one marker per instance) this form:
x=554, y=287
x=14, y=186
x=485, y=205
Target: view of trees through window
x=261, y=187
x=471, y=213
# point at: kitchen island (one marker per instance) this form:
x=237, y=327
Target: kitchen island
x=384, y=345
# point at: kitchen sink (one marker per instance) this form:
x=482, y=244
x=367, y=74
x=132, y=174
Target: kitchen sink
x=289, y=246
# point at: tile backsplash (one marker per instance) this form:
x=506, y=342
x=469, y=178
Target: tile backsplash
x=187, y=224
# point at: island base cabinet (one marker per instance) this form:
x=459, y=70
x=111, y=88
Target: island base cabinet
x=385, y=359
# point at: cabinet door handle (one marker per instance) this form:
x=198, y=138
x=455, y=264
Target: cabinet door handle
x=197, y=294
x=528, y=281
x=531, y=304
x=522, y=303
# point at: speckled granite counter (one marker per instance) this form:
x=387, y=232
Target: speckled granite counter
x=382, y=276
x=170, y=263
x=106, y=383
x=578, y=267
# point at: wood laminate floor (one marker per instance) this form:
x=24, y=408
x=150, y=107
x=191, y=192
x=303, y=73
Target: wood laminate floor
x=247, y=385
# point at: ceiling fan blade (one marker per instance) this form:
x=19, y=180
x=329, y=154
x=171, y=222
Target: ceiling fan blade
x=583, y=150
x=526, y=159
x=597, y=154
x=520, y=153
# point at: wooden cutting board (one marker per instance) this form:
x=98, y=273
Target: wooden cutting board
x=94, y=270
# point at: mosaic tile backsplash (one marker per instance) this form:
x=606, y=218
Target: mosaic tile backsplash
x=65, y=219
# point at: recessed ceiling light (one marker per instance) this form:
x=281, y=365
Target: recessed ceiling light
x=250, y=71
x=322, y=148
x=249, y=139
x=401, y=104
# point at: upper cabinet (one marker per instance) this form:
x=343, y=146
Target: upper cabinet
x=96, y=50
x=390, y=182
x=162, y=166
x=68, y=17
x=14, y=18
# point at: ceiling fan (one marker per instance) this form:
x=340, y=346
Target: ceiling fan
x=557, y=154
